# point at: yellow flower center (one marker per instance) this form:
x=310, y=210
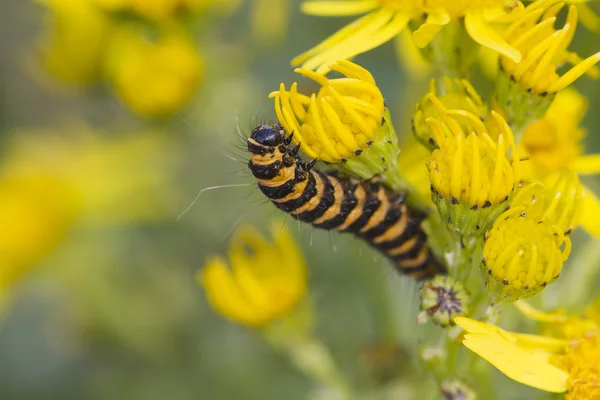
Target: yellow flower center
x=523, y=253
x=582, y=361
x=469, y=166
x=337, y=122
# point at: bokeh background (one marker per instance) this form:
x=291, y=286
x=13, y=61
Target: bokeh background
x=104, y=142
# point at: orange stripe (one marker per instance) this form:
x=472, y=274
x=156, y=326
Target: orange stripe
x=395, y=230
x=314, y=202
x=298, y=190
x=403, y=248
x=417, y=261
x=379, y=215
x=285, y=174
x=338, y=196
x=357, y=211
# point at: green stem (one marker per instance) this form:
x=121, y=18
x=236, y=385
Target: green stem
x=308, y=354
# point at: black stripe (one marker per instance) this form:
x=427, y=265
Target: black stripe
x=310, y=191
x=370, y=205
x=327, y=199
x=278, y=192
x=257, y=148
x=349, y=202
x=393, y=214
x=267, y=171
x=410, y=254
x=411, y=229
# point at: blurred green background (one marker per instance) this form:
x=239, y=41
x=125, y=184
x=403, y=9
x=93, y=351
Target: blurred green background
x=108, y=306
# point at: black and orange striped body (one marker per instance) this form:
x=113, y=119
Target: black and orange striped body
x=370, y=209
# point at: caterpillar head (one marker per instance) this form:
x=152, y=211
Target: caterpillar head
x=268, y=135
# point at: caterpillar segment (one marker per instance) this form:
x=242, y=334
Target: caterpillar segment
x=368, y=209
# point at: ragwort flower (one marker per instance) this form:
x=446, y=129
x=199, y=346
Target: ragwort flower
x=385, y=19
x=553, y=143
x=154, y=77
x=471, y=174
x=155, y=9
x=339, y=121
x=527, y=87
x=550, y=363
x=346, y=122
x=266, y=280
x=74, y=44
x=456, y=94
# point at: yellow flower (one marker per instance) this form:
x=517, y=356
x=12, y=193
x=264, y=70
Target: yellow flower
x=556, y=197
x=154, y=9
x=115, y=180
x=469, y=166
x=544, y=49
x=455, y=94
x=37, y=211
x=522, y=254
x=74, y=43
x=411, y=161
x=553, y=143
x=543, y=362
x=266, y=279
x=563, y=326
x=154, y=77
x=385, y=19
x=338, y=122
x=50, y=182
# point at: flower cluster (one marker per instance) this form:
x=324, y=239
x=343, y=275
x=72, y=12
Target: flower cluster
x=152, y=65
x=500, y=175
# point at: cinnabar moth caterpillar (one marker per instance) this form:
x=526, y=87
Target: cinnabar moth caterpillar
x=368, y=209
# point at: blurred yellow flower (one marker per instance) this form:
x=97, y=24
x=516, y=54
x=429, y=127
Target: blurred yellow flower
x=155, y=9
x=385, y=19
x=154, y=77
x=338, y=122
x=73, y=44
x=544, y=49
x=49, y=182
x=37, y=211
x=554, y=143
x=266, y=279
x=543, y=362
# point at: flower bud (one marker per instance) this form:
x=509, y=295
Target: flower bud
x=456, y=390
x=522, y=254
x=346, y=122
x=457, y=94
x=442, y=299
x=471, y=176
x=525, y=89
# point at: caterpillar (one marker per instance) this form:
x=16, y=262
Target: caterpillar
x=368, y=209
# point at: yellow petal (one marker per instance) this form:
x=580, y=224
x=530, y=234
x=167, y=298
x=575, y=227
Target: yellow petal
x=587, y=165
x=588, y=18
x=516, y=363
x=479, y=29
x=590, y=220
x=574, y=73
x=337, y=8
x=428, y=31
x=225, y=295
